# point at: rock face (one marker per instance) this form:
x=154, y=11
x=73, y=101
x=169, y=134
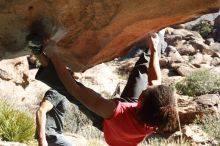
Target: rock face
x=92, y=31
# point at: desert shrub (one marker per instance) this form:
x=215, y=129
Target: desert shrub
x=151, y=142
x=205, y=28
x=198, y=83
x=15, y=125
x=211, y=125
x=164, y=142
x=96, y=142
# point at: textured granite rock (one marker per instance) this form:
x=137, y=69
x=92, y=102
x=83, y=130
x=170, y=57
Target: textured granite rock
x=95, y=30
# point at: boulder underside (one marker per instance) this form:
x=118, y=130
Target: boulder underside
x=94, y=31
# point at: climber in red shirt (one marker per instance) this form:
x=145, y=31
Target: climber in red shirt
x=145, y=105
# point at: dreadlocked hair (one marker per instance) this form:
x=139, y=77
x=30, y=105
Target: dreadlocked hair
x=158, y=108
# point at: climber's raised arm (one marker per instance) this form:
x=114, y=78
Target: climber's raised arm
x=154, y=72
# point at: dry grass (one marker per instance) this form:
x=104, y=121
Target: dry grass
x=15, y=125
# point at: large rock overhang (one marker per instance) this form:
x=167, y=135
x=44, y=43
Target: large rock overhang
x=95, y=30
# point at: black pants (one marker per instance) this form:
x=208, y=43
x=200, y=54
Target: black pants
x=137, y=82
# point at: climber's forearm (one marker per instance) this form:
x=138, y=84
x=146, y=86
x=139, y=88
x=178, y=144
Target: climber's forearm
x=92, y=100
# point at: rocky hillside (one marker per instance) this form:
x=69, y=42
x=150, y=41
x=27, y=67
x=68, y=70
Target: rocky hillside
x=189, y=57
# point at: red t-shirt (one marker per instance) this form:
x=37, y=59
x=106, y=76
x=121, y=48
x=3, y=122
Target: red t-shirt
x=122, y=129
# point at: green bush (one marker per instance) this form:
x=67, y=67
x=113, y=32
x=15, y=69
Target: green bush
x=198, y=83
x=211, y=125
x=15, y=125
x=205, y=28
